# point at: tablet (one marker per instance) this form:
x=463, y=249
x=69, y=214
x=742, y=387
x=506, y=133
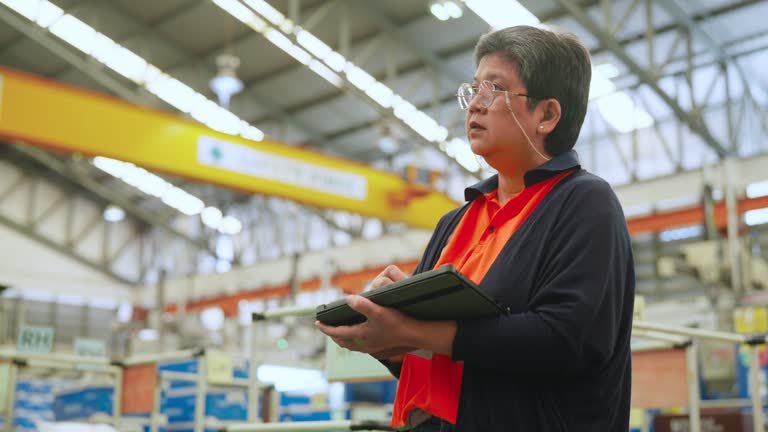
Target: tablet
x=441, y=294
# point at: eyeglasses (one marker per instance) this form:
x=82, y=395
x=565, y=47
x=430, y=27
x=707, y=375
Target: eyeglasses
x=486, y=91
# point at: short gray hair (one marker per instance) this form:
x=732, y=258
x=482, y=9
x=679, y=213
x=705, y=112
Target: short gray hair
x=550, y=65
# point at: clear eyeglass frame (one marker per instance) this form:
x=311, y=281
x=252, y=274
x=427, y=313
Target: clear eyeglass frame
x=487, y=92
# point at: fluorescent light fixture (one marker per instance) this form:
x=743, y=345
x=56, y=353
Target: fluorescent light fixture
x=453, y=9
x=326, y=73
x=502, y=14
x=299, y=54
x=111, y=166
x=358, y=77
x=335, y=61
x=445, y=9
x=30, y=9
x=314, y=45
x=279, y=39
x=283, y=42
x=756, y=217
x=126, y=63
x=48, y=14
x=381, y=94
x=171, y=195
x=211, y=217
x=230, y=225
x=183, y=201
x=77, y=33
x=267, y=11
x=217, y=118
x=681, y=233
x=418, y=120
x=113, y=213
x=250, y=132
x=237, y=10
x=438, y=10
x=758, y=189
x=175, y=92
x=402, y=108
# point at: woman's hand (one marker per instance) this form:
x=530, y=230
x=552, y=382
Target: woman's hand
x=388, y=332
x=385, y=333
x=390, y=274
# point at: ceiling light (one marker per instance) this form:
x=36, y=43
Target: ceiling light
x=502, y=14
x=128, y=64
x=453, y=9
x=387, y=144
x=113, y=213
x=759, y=189
x=226, y=83
x=211, y=217
x=230, y=225
x=445, y=9
x=439, y=11
x=756, y=217
x=419, y=121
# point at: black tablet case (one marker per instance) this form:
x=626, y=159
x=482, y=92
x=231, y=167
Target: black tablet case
x=441, y=294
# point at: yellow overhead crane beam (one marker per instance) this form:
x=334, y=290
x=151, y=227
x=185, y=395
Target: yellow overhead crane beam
x=60, y=117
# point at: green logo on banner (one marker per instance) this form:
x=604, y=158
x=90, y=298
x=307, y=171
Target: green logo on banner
x=35, y=339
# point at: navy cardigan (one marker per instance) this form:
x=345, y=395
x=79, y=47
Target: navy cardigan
x=560, y=360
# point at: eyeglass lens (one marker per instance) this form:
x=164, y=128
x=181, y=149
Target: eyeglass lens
x=466, y=93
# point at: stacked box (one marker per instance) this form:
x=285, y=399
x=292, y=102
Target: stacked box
x=33, y=402
x=85, y=403
x=296, y=407
x=178, y=399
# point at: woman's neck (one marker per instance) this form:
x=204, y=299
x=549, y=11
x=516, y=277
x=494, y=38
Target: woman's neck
x=509, y=187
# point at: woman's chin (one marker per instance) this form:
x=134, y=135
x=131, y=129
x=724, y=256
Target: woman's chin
x=478, y=148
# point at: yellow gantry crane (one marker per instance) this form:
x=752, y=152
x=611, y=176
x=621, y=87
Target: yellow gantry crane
x=70, y=120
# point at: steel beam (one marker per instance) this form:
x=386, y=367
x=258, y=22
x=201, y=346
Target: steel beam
x=694, y=122
x=64, y=250
x=108, y=194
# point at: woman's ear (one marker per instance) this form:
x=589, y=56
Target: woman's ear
x=549, y=117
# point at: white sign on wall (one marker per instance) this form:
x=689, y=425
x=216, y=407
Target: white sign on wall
x=34, y=339
x=342, y=364
x=249, y=161
x=90, y=347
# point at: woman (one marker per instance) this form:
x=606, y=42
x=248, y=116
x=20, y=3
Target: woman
x=546, y=239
